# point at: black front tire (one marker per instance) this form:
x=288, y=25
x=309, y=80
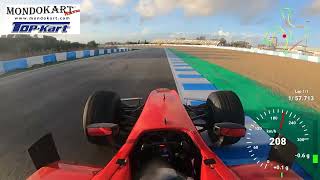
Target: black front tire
x=224, y=106
x=101, y=107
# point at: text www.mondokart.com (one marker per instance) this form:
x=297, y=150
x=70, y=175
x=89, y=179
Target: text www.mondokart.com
x=42, y=18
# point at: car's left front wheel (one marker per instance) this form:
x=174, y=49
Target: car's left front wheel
x=101, y=107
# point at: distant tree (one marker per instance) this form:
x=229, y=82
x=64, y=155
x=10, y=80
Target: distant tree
x=75, y=45
x=223, y=42
x=26, y=45
x=92, y=44
x=49, y=37
x=22, y=36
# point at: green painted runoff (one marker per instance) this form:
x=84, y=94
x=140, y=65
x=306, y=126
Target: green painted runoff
x=257, y=98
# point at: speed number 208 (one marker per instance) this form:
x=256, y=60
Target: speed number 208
x=278, y=141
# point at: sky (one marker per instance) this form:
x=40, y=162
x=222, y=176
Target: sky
x=250, y=20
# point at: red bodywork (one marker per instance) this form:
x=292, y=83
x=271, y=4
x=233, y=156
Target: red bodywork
x=163, y=111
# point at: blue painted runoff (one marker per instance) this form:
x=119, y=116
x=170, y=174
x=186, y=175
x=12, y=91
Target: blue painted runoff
x=189, y=76
x=196, y=102
x=198, y=86
x=301, y=172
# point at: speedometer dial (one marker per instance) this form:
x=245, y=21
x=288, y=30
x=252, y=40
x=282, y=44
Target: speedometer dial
x=284, y=127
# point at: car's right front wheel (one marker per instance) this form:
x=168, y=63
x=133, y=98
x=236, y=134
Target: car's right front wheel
x=224, y=107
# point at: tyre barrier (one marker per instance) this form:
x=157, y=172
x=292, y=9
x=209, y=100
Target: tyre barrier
x=25, y=63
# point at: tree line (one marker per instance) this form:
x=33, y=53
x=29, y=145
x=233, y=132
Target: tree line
x=242, y=44
x=13, y=46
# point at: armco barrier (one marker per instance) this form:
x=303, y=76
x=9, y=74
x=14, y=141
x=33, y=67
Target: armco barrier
x=24, y=63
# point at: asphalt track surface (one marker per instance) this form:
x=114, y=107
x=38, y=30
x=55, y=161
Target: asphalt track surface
x=51, y=99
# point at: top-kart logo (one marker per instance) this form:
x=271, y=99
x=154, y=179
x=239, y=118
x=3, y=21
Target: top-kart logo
x=42, y=19
x=41, y=27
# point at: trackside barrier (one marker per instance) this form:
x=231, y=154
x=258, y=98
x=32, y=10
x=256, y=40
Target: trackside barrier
x=24, y=63
x=315, y=59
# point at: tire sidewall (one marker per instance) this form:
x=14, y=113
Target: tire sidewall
x=224, y=106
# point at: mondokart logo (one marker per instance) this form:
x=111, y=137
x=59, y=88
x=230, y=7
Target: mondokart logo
x=40, y=10
x=40, y=18
x=40, y=27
